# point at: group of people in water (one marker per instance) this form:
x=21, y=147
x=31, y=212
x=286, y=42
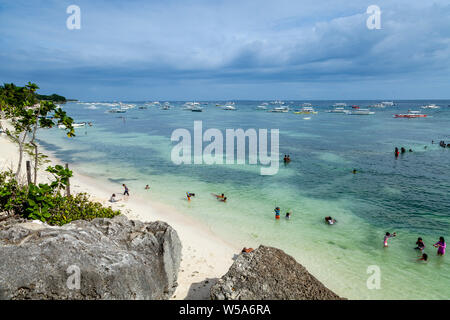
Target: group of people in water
x=287, y=159
x=402, y=151
x=219, y=197
x=420, y=245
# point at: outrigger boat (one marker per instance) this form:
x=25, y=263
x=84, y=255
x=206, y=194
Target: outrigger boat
x=361, y=112
x=411, y=114
x=280, y=109
x=339, y=110
x=306, y=110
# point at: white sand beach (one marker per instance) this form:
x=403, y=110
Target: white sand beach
x=205, y=256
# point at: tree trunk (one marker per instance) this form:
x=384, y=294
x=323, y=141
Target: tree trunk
x=68, y=183
x=19, y=165
x=29, y=172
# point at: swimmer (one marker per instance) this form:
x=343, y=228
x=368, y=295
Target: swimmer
x=330, y=220
x=223, y=200
x=420, y=244
x=277, y=213
x=403, y=150
x=387, y=236
x=441, y=245
x=354, y=171
x=147, y=187
x=396, y=152
x=424, y=257
x=288, y=215
x=189, y=195
x=219, y=196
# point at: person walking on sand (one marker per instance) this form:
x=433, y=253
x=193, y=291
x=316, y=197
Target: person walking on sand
x=441, y=245
x=126, y=191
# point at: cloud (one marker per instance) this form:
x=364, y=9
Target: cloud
x=218, y=43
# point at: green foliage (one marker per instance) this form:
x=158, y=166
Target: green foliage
x=45, y=202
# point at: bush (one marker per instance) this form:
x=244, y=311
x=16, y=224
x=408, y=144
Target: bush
x=44, y=202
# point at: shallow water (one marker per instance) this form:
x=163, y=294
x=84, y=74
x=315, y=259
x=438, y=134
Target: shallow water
x=409, y=195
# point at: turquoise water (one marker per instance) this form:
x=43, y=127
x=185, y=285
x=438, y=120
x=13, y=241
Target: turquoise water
x=409, y=195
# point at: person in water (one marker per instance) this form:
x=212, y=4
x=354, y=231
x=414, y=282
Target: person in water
x=441, y=245
x=147, y=187
x=387, y=236
x=224, y=199
x=189, y=195
x=277, y=213
x=288, y=215
x=424, y=257
x=113, y=198
x=288, y=158
x=420, y=244
x=403, y=150
x=126, y=191
x=354, y=171
x=396, y=152
x=219, y=196
x=330, y=220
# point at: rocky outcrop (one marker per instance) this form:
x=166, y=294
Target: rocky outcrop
x=99, y=259
x=269, y=274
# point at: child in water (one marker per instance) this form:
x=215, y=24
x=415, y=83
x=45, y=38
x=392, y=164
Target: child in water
x=441, y=245
x=387, y=236
x=424, y=257
x=288, y=215
x=420, y=244
x=277, y=213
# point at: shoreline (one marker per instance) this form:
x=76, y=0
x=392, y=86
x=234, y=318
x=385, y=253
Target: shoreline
x=205, y=256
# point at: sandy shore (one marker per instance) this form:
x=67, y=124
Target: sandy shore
x=205, y=257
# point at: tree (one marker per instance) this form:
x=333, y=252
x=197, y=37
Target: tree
x=27, y=114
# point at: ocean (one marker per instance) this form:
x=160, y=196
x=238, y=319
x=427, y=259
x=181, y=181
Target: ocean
x=408, y=195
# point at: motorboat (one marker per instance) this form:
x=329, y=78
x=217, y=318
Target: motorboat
x=261, y=107
x=74, y=125
x=197, y=109
x=117, y=110
x=361, y=112
x=229, y=107
x=280, y=109
x=339, y=104
x=339, y=110
x=306, y=110
x=388, y=103
x=430, y=106
x=411, y=114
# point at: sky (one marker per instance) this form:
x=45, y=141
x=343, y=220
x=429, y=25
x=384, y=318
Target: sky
x=228, y=49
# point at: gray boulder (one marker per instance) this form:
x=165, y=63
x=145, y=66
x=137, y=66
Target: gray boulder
x=269, y=274
x=112, y=259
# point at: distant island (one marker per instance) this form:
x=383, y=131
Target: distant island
x=56, y=98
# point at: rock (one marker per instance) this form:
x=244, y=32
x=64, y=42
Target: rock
x=269, y=274
x=116, y=259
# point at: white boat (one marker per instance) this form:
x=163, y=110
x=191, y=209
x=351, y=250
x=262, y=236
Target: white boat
x=229, y=107
x=261, y=107
x=339, y=104
x=117, y=110
x=307, y=118
x=430, y=106
x=280, y=109
x=306, y=110
x=361, y=112
x=191, y=105
x=339, y=110
x=75, y=125
x=197, y=109
x=388, y=103
x=277, y=102
x=378, y=105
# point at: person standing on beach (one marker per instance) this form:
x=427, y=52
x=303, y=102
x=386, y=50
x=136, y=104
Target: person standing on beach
x=441, y=245
x=125, y=192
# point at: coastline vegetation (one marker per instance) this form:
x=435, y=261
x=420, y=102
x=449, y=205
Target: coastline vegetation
x=26, y=113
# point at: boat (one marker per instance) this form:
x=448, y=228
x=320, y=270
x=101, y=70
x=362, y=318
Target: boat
x=142, y=107
x=430, y=106
x=197, y=109
x=339, y=104
x=280, y=109
x=191, y=105
x=74, y=125
x=117, y=110
x=377, y=105
x=339, y=110
x=388, y=103
x=361, y=112
x=411, y=114
x=229, y=107
x=307, y=118
x=261, y=107
x=306, y=110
